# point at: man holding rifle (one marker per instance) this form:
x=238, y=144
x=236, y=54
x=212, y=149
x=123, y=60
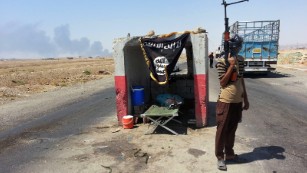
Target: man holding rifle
x=232, y=100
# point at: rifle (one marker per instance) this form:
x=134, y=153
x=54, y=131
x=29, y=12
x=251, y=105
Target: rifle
x=226, y=33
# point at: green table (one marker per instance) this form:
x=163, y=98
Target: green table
x=156, y=113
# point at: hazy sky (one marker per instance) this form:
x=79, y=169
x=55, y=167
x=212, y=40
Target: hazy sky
x=51, y=28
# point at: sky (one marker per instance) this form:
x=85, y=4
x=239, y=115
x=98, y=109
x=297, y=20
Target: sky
x=58, y=28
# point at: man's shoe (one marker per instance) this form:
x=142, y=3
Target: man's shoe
x=221, y=165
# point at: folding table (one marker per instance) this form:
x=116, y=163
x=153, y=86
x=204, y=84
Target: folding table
x=157, y=113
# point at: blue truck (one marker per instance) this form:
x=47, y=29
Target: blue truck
x=260, y=44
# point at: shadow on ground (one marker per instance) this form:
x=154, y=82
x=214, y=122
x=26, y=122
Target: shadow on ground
x=187, y=117
x=262, y=153
x=273, y=74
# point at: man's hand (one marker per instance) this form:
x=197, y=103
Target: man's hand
x=246, y=105
x=231, y=60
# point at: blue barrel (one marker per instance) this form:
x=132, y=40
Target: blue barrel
x=137, y=95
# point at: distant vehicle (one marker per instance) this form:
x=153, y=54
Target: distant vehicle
x=260, y=45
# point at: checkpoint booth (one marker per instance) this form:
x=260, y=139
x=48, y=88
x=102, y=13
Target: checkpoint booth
x=147, y=66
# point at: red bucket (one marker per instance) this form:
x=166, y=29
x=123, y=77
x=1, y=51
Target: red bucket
x=127, y=122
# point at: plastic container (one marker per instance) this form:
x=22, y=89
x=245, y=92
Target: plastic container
x=137, y=95
x=127, y=122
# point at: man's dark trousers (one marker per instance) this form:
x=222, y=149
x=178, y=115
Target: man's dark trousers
x=228, y=115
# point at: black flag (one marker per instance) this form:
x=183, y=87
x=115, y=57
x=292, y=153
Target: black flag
x=161, y=55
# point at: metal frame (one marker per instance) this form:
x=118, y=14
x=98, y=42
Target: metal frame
x=256, y=31
x=159, y=121
x=267, y=30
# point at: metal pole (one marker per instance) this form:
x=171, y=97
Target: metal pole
x=226, y=33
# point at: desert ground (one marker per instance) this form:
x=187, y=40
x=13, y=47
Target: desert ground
x=21, y=78
x=293, y=57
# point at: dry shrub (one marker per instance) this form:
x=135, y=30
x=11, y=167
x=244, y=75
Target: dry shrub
x=292, y=56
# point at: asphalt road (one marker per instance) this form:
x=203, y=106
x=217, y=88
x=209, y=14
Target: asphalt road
x=275, y=126
x=34, y=130
x=37, y=136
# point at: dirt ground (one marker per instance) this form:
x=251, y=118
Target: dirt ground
x=76, y=143
x=293, y=57
x=21, y=78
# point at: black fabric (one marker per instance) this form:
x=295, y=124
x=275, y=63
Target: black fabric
x=162, y=53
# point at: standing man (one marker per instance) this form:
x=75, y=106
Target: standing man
x=211, y=59
x=232, y=100
x=218, y=52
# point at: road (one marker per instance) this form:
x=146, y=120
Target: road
x=276, y=123
x=58, y=132
x=35, y=129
